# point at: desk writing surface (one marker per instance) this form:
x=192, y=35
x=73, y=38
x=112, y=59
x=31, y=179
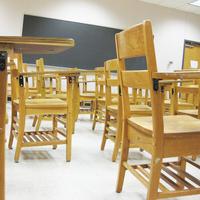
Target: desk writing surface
x=177, y=75
x=37, y=45
x=66, y=73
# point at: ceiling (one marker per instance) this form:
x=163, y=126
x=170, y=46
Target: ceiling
x=177, y=4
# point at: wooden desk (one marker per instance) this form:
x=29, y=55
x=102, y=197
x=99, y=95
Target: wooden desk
x=177, y=75
x=13, y=47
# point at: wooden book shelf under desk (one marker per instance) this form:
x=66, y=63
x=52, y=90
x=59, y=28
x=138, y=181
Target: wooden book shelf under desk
x=12, y=47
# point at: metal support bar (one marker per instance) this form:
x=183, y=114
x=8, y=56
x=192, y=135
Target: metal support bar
x=3, y=60
x=119, y=90
x=156, y=84
x=21, y=81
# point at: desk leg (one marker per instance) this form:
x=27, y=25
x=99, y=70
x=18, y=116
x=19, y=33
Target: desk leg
x=3, y=88
x=70, y=117
x=76, y=100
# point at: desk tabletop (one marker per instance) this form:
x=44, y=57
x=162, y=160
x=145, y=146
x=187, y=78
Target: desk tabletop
x=177, y=75
x=36, y=45
x=53, y=73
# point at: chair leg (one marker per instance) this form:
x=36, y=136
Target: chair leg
x=94, y=120
x=107, y=118
x=141, y=150
x=124, y=158
x=39, y=120
x=95, y=117
x=194, y=158
x=92, y=110
x=182, y=167
x=74, y=119
x=69, y=144
x=34, y=121
x=69, y=130
x=55, y=124
x=20, y=136
x=117, y=142
x=77, y=107
x=14, y=114
x=156, y=165
x=116, y=150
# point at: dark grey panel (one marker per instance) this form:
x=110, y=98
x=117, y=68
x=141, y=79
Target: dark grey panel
x=138, y=63
x=94, y=44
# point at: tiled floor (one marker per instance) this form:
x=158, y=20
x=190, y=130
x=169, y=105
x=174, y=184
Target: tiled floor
x=43, y=174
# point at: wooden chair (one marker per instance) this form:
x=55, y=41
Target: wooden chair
x=99, y=105
x=112, y=112
x=112, y=127
x=47, y=86
x=56, y=89
x=61, y=94
x=22, y=106
x=185, y=100
x=161, y=136
x=87, y=93
x=192, y=90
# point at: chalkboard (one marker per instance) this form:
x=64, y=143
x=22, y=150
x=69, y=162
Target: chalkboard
x=94, y=44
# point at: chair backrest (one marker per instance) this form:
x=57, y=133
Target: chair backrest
x=40, y=78
x=134, y=42
x=87, y=81
x=40, y=65
x=111, y=81
x=137, y=41
x=17, y=67
x=47, y=84
x=18, y=88
x=189, y=91
x=99, y=82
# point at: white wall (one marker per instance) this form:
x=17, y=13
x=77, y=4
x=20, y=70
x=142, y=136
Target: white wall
x=170, y=26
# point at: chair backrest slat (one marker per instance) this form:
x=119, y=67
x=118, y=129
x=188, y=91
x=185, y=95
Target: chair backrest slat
x=131, y=46
x=111, y=80
x=136, y=79
x=99, y=82
x=137, y=41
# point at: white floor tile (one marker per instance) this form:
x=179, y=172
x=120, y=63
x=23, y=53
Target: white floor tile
x=43, y=174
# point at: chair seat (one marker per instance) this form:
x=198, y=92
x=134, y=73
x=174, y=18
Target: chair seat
x=88, y=94
x=134, y=108
x=176, y=124
x=182, y=105
x=191, y=112
x=103, y=99
x=57, y=96
x=168, y=101
x=42, y=103
x=115, y=100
